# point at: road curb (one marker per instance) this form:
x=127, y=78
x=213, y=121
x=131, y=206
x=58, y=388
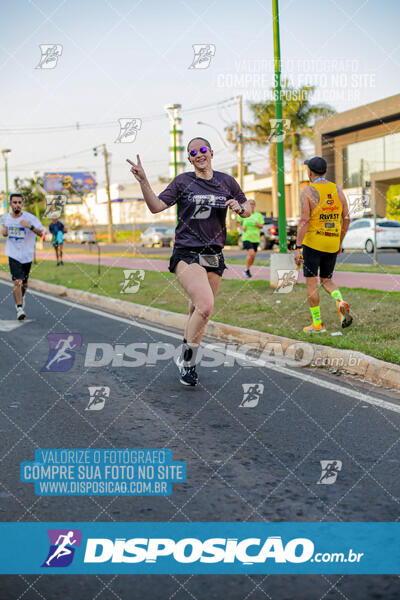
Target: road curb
x=348, y=361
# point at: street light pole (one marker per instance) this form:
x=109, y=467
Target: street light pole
x=375, y=259
x=216, y=131
x=5, y=152
x=240, y=142
x=35, y=176
x=175, y=159
x=176, y=148
x=279, y=133
x=177, y=163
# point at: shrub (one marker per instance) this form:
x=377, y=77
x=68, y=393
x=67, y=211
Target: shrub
x=232, y=238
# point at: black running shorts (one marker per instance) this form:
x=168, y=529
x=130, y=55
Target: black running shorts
x=19, y=270
x=315, y=260
x=250, y=246
x=191, y=255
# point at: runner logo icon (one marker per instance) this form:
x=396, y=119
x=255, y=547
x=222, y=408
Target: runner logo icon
x=62, y=352
x=133, y=278
x=203, y=54
x=287, y=279
x=54, y=205
x=128, y=128
x=98, y=396
x=329, y=471
x=251, y=394
x=50, y=53
x=63, y=543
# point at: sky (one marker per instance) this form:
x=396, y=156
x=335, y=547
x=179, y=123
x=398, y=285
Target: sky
x=128, y=59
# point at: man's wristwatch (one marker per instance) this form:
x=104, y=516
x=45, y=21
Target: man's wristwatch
x=241, y=211
x=297, y=246
x=32, y=227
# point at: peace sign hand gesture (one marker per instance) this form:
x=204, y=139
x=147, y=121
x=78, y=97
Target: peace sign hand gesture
x=137, y=170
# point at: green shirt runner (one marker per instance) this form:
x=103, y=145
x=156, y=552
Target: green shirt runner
x=252, y=232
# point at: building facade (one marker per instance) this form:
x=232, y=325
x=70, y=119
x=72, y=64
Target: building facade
x=362, y=149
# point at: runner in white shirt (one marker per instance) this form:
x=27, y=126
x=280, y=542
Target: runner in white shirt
x=20, y=228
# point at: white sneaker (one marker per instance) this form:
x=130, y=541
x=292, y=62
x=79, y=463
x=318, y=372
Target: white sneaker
x=20, y=313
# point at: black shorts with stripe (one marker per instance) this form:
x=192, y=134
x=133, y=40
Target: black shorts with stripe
x=315, y=260
x=19, y=270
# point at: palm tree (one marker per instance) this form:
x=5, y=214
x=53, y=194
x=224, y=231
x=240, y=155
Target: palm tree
x=301, y=113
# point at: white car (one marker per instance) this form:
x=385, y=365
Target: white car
x=157, y=236
x=79, y=236
x=361, y=234
x=85, y=237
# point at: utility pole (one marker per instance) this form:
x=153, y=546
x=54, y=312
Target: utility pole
x=134, y=206
x=111, y=237
x=279, y=133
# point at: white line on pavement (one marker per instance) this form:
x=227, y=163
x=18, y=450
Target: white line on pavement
x=297, y=373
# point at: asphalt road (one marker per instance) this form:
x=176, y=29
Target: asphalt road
x=243, y=464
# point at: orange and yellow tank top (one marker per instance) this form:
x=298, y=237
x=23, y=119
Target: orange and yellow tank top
x=325, y=224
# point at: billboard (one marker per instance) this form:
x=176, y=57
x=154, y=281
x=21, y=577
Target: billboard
x=77, y=182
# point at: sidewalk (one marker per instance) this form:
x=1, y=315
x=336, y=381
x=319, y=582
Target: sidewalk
x=373, y=281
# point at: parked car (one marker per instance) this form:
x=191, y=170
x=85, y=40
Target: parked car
x=85, y=237
x=70, y=236
x=80, y=236
x=171, y=232
x=269, y=234
x=291, y=232
x=157, y=236
x=360, y=234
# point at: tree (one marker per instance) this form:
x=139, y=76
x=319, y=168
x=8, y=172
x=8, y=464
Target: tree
x=301, y=114
x=27, y=187
x=393, y=202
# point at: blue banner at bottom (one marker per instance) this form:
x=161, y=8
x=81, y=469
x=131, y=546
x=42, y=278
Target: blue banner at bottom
x=204, y=548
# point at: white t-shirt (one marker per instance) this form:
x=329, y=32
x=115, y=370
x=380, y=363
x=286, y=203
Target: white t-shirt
x=21, y=241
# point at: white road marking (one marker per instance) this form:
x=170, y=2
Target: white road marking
x=11, y=325
x=296, y=373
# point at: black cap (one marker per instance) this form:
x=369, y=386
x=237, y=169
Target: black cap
x=317, y=164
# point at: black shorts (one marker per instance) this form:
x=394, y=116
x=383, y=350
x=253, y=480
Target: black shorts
x=250, y=246
x=19, y=270
x=191, y=255
x=314, y=260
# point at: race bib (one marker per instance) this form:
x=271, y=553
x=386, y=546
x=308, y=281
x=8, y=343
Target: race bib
x=16, y=233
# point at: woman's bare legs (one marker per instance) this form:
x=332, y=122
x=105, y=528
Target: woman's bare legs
x=201, y=288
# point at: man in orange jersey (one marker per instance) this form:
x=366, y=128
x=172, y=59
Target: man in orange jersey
x=323, y=224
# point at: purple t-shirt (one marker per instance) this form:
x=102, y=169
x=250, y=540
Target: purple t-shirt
x=201, y=207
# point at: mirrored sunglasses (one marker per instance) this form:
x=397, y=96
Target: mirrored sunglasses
x=203, y=150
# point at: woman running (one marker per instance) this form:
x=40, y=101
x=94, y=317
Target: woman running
x=203, y=197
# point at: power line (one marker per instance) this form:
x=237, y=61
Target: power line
x=41, y=160
x=102, y=125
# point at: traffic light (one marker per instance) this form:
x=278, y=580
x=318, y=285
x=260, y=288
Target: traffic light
x=231, y=135
x=95, y=151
